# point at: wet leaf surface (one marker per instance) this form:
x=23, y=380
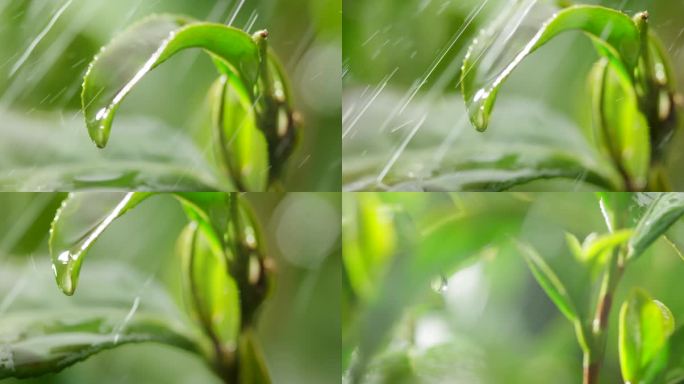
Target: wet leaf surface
x=529, y=142
x=615, y=30
x=130, y=56
x=43, y=331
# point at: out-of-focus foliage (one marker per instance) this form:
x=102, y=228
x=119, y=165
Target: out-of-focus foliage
x=481, y=313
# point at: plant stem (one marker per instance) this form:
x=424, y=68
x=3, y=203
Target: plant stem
x=594, y=357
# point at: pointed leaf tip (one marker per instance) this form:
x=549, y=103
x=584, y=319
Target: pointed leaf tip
x=618, y=33
x=80, y=220
x=122, y=64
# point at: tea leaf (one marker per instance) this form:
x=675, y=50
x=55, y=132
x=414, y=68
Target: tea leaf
x=662, y=212
x=616, y=208
x=84, y=216
x=210, y=290
x=45, y=332
x=549, y=282
x=80, y=221
x=645, y=326
x=242, y=146
x=620, y=126
x=369, y=241
x=605, y=243
x=443, y=155
x=615, y=29
x=128, y=58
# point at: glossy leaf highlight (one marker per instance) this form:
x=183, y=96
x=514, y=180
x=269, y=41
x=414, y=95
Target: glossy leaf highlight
x=645, y=327
x=662, y=212
x=615, y=29
x=117, y=69
x=79, y=222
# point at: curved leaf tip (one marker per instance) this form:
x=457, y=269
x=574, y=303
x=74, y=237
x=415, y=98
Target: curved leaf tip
x=79, y=221
x=618, y=31
x=121, y=64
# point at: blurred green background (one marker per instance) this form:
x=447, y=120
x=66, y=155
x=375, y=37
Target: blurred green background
x=298, y=326
x=423, y=42
x=491, y=322
x=43, y=94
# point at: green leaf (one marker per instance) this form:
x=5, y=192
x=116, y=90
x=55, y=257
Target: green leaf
x=616, y=29
x=128, y=58
x=241, y=145
x=154, y=158
x=619, y=125
x=253, y=368
x=45, y=332
x=421, y=256
x=616, y=208
x=549, y=282
x=662, y=212
x=595, y=246
x=78, y=223
x=369, y=241
x=443, y=155
x=211, y=291
x=645, y=326
x=657, y=89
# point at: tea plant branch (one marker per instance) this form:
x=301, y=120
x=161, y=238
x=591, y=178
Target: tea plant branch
x=635, y=101
x=593, y=359
x=224, y=270
x=253, y=116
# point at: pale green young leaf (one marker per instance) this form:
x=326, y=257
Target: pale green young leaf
x=369, y=241
x=241, y=145
x=210, y=290
x=620, y=126
x=645, y=327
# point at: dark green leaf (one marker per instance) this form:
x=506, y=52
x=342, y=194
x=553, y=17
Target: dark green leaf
x=662, y=212
x=78, y=223
x=129, y=57
x=645, y=326
x=616, y=29
x=45, y=332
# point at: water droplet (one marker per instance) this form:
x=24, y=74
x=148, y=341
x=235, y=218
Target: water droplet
x=440, y=284
x=75, y=229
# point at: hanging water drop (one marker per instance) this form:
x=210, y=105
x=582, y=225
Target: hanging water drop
x=440, y=284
